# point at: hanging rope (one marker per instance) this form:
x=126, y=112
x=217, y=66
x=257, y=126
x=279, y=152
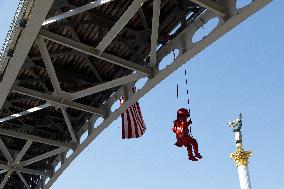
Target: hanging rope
x=186, y=86
x=186, y=83
x=174, y=55
x=177, y=91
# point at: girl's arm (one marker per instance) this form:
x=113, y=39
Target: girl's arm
x=174, y=127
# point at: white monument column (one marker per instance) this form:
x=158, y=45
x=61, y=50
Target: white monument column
x=240, y=156
x=244, y=176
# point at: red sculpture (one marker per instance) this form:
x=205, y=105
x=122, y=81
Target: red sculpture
x=182, y=134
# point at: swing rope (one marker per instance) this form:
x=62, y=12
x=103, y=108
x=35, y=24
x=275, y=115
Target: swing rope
x=186, y=82
x=187, y=93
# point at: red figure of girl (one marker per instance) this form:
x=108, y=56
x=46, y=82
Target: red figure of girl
x=183, y=137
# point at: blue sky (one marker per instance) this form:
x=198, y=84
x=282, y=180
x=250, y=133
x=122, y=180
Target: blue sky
x=241, y=72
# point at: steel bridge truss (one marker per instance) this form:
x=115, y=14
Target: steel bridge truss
x=35, y=32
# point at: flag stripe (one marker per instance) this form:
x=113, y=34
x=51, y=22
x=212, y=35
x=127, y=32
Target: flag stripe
x=137, y=120
x=128, y=121
x=139, y=112
x=138, y=117
x=139, y=128
x=123, y=130
x=132, y=121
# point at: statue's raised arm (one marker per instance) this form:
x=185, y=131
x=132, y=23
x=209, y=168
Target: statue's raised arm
x=236, y=125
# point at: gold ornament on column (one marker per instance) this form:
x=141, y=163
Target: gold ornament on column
x=240, y=156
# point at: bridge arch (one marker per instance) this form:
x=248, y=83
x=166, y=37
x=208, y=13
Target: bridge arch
x=68, y=70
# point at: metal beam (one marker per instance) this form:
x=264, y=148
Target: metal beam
x=3, y=166
x=34, y=138
x=69, y=125
x=58, y=53
x=99, y=19
x=93, y=52
x=11, y=161
x=26, y=40
x=32, y=171
x=90, y=64
x=24, y=170
x=155, y=31
x=28, y=64
x=61, y=73
x=80, y=94
x=23, y=113
x=75, y=11
x=18, y=159
x=23, y=152
x=110, y=101
x=5, y=179
x=5, y=151
x=57, y=101
x=50, y=121
x=118, y=26
x=48, y=64
x=43, y=156
x=18, y=166
x=54, y=80
x=143, y=19
x=23, y=180
x=212, y=6
x=107, y=85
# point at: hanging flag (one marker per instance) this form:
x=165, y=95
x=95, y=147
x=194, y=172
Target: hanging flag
x=132, y=121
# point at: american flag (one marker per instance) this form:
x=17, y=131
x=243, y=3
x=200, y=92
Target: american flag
x=132, y=121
